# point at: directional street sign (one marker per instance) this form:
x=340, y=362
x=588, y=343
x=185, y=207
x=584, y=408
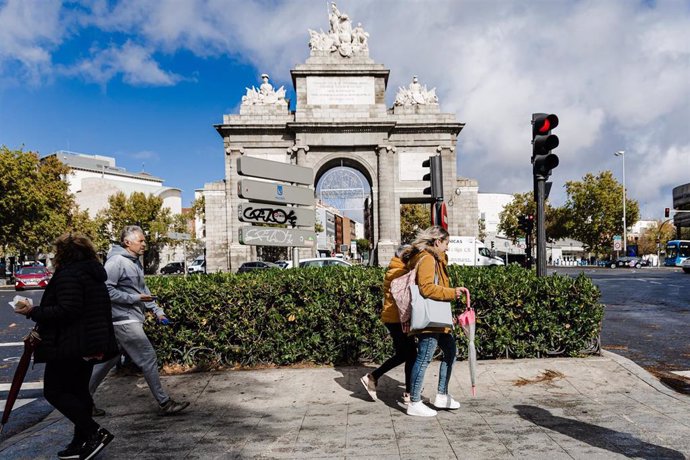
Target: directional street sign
x=259, y=213
x=266, y=169
x=272, y=236
x=270, y=192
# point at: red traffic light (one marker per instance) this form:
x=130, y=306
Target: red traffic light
x=667, y=212
x=542, y=123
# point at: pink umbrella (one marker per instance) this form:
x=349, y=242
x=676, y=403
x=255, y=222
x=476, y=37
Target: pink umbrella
x=467, y=321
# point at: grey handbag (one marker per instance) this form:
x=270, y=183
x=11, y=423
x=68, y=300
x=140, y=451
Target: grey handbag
x=427, y=312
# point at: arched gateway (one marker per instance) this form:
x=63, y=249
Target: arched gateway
x=341, y=118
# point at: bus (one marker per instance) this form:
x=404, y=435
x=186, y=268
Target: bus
x=676, y=252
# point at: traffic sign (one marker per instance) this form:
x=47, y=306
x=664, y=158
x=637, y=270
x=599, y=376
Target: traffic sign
x=271, y=192
x=273, y=236
x=617, y=243
x=267, y=169
x=261, y=213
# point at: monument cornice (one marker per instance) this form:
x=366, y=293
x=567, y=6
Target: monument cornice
x=346, y=127
x=430, y=127
x=225, y=129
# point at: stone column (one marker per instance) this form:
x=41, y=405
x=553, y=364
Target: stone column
x=237, y=253
x=387, y=205
x=298, y=156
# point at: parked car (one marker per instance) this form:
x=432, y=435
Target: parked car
x=197, y=266
x=284, y=263
x=31, y=277
x=626, y=262
x=173, y=268
x=685, y=265
x=324, y=262
x=257, y=265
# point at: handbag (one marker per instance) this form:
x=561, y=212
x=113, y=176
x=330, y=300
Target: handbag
x=427, y=312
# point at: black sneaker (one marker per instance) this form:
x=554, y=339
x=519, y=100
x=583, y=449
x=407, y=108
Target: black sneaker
x=95, y=444
x=71, y=451
x=172, y=407
x=96, y=412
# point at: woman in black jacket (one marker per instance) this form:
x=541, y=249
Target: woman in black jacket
x=75, y=324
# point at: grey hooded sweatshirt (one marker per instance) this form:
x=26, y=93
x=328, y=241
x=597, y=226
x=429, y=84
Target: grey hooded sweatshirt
x=125, y=283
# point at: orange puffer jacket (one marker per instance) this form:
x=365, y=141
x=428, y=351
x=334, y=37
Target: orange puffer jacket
x=429, y=266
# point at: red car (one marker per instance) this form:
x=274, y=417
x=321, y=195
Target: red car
x=31, y=277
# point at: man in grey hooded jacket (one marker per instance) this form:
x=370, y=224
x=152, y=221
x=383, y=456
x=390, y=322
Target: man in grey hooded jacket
x=129, y=299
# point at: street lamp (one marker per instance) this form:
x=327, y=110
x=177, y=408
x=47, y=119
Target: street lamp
x=621, y=153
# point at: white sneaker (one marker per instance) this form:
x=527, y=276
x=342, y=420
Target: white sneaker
x=370, y=385
x=446, y=402
x=419, y=409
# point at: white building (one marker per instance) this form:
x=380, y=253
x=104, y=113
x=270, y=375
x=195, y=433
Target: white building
x=95, y=178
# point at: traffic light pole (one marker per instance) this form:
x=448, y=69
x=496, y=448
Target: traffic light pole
x=541, y=228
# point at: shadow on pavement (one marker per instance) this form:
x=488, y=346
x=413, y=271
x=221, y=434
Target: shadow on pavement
x=597, y=436
x=389, y=391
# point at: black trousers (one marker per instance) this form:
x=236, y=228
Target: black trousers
x=405, y=352
x=66, y=387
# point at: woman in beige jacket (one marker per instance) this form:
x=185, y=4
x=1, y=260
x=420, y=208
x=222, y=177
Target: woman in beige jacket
x=428, y=254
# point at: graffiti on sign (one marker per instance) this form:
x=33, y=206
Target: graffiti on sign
x=267, y=236
x=270, y=215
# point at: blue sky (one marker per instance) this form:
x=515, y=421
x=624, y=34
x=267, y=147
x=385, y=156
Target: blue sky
x=145, y=81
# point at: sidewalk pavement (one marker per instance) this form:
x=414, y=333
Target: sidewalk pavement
x=601, y=407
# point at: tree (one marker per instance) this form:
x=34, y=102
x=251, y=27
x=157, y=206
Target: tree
x=523, y=204
x=649, y=236
x=35, y=203
x=595, y=210
x=147, y=212
x=413, y=217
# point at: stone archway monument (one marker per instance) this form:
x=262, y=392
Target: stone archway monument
x=340, y=113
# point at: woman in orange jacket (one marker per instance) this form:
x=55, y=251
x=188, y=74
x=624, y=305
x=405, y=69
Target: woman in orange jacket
x=403, y=344
x=428, y=254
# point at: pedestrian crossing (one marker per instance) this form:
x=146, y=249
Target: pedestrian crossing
x=26, y=386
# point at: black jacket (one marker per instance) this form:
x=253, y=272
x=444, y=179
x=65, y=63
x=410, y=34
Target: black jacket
x=74, y=318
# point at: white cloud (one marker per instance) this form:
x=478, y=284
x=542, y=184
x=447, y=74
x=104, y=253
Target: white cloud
x=29, y=31
x=135, y=63
x=617, y=73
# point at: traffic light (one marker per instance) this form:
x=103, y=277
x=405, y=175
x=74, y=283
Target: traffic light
x=667, y=212
x=543, y=142
x=435, y=176
x=530, y=223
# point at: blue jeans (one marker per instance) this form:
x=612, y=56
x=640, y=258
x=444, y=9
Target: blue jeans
x=425, y=353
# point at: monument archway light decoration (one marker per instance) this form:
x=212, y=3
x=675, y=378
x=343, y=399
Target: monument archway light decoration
x=345, y=190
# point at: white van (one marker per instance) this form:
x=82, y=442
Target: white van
x=197, y=266
x=468, y=250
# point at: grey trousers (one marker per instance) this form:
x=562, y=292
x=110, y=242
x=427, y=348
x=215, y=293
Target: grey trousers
x=133, y=341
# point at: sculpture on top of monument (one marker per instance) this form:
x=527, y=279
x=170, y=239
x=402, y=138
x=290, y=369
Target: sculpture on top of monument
x=265, y=94
x=415, y=94
x=341, y=37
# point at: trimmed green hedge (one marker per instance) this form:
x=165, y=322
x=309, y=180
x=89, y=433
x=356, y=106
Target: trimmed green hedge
x=331, y=316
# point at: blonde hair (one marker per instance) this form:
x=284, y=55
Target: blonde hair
x=425, y=240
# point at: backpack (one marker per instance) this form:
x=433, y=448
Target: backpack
x=400, y=290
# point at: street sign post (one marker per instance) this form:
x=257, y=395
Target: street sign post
x=270, y=192
x=266, y=205
x=284, y=172
x=617, y=243
x=274, y=236
x=262, y=213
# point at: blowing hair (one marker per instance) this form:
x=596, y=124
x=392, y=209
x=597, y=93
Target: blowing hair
x=425, y=240
x=73, y=247
x=128, y=231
